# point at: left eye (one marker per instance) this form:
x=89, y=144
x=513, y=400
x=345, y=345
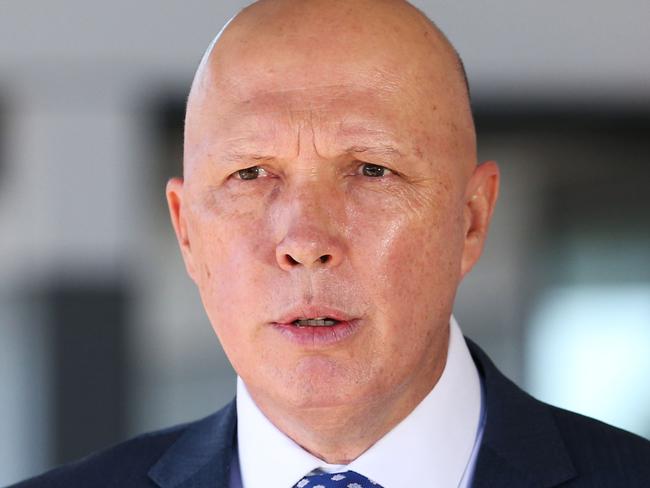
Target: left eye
x=374, y=170
x=251, y=173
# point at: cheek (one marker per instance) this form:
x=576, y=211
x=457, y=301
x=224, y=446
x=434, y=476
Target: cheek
x=231, y=253
x=227, y=235
x=411, y=260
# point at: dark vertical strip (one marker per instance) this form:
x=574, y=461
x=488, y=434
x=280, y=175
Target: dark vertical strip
x=88, y=325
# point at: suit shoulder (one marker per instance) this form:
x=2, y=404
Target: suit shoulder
x=550, y=445
x=603, y=452
x=124, y=464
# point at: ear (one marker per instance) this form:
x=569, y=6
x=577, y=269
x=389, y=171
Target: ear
x=174, y=192
x=480, y=199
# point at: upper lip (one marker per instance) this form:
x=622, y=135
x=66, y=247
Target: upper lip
x=312, y=312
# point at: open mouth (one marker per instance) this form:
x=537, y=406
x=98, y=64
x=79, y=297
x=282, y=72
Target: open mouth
x=319, y=327
x=316, y=322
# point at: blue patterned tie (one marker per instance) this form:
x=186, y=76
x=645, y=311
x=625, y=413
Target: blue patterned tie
x=346, y=479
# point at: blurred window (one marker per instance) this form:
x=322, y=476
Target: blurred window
x=587, y=340
x=589, y=352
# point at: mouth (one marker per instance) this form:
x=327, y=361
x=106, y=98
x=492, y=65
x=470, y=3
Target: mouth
x=314, y=327
x=316, y=322
x=313, y=316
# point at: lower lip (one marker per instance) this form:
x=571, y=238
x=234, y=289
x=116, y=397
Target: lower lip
x=318, y=336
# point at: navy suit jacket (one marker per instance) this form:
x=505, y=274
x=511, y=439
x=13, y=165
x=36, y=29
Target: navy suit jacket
x=526, y=443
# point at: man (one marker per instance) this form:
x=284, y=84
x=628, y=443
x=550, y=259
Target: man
x=330, y=206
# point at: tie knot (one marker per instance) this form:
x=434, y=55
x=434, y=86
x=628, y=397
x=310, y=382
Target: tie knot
x=346, y=479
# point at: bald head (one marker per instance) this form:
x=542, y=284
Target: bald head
x=273, y=19
x=288, y=46
x=330, y=171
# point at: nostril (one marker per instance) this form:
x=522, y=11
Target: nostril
x=291, y=261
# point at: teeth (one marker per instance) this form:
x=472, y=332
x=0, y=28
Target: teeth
x=317, y=322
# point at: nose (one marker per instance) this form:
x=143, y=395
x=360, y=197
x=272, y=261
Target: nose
x=309, y=251
x=313, y=237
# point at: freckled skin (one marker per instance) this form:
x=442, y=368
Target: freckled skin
x=308, y=92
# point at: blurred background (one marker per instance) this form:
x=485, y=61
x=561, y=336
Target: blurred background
x=102, y=336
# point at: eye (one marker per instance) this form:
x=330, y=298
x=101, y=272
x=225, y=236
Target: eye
x=374, y=170
x=251, y=173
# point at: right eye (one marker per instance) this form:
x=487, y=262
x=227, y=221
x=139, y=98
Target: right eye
x=251, y=173
x=374, y=170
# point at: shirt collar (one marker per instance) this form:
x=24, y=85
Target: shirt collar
x=431, y=446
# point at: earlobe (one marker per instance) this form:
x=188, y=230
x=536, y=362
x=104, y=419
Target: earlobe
x=174, y=193
x=480, y=200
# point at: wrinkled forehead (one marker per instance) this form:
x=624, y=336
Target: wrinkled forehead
x=330, y=116
x=393, y=81
x=365, y=92
x=277, y=99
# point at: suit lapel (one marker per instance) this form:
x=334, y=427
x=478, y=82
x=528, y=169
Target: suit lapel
x=201, y=457
x=521, y=443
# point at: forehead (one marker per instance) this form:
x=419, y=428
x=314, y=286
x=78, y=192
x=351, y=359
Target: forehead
x=343, y=106
x=337, y=115
x=249, y=92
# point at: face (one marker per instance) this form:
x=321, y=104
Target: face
x=326, y=220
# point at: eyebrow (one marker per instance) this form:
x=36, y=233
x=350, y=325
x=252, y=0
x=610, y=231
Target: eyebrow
x=381, y=149
x=236, y=157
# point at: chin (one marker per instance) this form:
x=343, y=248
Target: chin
x=318, y=382
x=321, y=397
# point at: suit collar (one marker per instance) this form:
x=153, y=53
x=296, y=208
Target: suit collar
x=201, y=457
x=521, y=444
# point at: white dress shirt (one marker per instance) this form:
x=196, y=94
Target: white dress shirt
x=437, y=442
